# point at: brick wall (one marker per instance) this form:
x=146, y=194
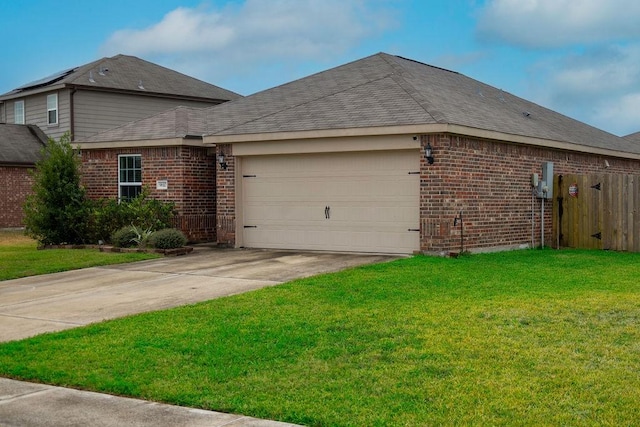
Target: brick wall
x=16, y=186
x=190, y=172
x=489, y=181
x=226, y=198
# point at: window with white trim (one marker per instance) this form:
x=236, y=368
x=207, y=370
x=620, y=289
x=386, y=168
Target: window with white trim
x=52, y=109
x=18, y=112
x=129, y=176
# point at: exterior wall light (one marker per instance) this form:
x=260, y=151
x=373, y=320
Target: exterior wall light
x=221, y=162
x=428, y=153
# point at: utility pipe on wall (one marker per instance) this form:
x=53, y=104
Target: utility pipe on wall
x=544, y=197
x=542, y=226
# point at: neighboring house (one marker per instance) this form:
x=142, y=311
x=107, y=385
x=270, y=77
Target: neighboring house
x=378, y=155
x=634, y=137
x=20, y=149
x=104, y=94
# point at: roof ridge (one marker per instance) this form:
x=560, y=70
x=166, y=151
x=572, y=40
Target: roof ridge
x=414, y=94
x=308, y=101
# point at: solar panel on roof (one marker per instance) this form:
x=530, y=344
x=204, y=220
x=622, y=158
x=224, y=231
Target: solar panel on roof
x=48, y=80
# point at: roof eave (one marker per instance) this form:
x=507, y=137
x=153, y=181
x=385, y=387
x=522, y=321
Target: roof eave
x=13, y=164
x=147, y=93
x=189, y=140
x=417, y=129
x=30, y=92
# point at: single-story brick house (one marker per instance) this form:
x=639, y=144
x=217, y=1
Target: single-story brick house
x=20, y=149
x=378, y=155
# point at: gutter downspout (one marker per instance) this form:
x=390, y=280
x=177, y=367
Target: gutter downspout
x=72, y=114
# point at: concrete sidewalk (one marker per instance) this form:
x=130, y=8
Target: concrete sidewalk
x=36, y=405
x=48, y=303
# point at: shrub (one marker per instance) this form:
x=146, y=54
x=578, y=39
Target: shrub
x=106, y=217
x=168, y=238
x=146, y=213
x=57, y=211
x=125, y=237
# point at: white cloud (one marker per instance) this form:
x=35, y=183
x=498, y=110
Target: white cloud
x=554, y=23
x=602, y=71
x=255, y=31
x=600, y=86
x=181, y=30
x=622, y=113
x=279, y=40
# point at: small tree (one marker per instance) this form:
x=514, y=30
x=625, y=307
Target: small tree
x=57, y=211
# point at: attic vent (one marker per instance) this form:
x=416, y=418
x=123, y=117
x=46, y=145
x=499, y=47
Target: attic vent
x=103, y=71
x=479, y=92
x=140, y=86
x=526, y=114
x=91, y=80
x=501, y=97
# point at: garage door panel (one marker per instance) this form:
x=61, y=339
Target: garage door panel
x=372, y=198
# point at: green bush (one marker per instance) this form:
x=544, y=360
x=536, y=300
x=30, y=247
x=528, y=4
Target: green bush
x=57, y=211
x=148, y=213
x=125, y=237
x=168, y=238
x=106, y=217
x=143, y=211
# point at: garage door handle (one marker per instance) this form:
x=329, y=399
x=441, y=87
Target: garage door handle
x=413, y=229
x=327, y=212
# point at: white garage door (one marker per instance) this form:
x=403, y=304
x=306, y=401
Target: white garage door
x=359, y=201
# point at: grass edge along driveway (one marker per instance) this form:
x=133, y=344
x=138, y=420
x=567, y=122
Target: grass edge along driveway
x=517, y=338
x=19, y=257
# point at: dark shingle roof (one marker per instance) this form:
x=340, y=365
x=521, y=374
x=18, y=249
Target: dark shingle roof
x=21, y=144
x=635, y=137
x=132, y=74
x=384, y=90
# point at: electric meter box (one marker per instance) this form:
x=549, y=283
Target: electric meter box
x=545, y=184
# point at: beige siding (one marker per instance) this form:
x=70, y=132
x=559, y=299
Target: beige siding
x=98, y=111
x=8, y=114
x=35, y=112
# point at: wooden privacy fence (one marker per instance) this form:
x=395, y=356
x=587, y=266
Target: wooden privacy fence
x=597, y=211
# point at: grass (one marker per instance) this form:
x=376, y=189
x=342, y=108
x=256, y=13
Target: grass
x=19, y=257
x=520, y=338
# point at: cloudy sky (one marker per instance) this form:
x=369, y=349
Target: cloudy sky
x=578, y=57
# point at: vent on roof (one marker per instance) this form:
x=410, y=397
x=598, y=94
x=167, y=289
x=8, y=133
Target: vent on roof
x=103, y=71
x=140, y=86
x=91, y=80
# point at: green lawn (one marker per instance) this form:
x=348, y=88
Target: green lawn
x=19, y=257
x=535, y=337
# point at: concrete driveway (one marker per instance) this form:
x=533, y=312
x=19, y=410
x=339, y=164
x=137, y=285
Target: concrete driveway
x=54, y=302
